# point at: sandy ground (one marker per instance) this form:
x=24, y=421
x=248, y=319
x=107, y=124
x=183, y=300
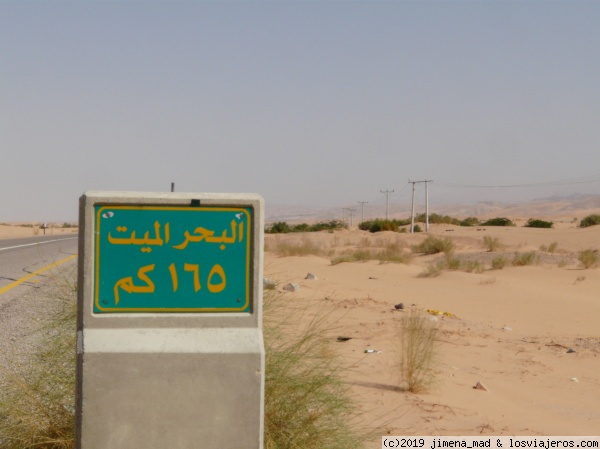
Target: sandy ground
x=511, y=330
x=14, y=231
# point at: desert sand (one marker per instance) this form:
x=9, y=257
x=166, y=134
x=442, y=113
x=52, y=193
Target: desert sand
x=16, y=230
x=510, y=329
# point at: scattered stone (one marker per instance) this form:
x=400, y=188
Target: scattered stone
x=291, y=287
x=372, y=351
x=399, y=306
x=570, y=350
x=480, y=386
x=341, y=338
x=574, y=379
x=506, y=328
x=310, y=276
x=269, y=284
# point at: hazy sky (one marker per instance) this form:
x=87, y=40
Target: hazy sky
x=310, y=103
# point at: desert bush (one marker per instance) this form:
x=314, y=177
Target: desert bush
x=523, y=259
x=417, y=228
x=491, y=243
x=534, y=223
x=500, y=221
x=550, y=248
x=588, y=258
x=499, y=262
x=418, y=351
x=392, y=253
x=473, y=266
x=306, y=403
x=305, y=247
x=434, y=245
x=331, y=225
x=590, y=220
x=379, y=225
x=281, y=227
x=437, y=218
x=452, y=263
x=433, y=269
x=470, y=221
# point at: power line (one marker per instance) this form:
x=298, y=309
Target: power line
x=578, y=180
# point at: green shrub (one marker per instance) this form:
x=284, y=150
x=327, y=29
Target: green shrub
x=280, y=227
x=470, y=221
x=332, y=225
x=588, y=258
x=590, y=220
x=533, y=223
x=500, y=221
x=417, y=228
x=437, y=218
x=379, y=225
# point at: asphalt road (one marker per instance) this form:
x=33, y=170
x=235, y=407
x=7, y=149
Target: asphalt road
x=25, y=263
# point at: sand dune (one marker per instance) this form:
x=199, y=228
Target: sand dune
x=511, y=330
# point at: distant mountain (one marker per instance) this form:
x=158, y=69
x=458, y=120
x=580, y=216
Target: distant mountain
x=566, y=207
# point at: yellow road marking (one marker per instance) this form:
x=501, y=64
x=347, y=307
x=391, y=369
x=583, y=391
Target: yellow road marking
x=35, y=273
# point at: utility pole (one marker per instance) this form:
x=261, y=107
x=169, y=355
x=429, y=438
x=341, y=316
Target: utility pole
x=387, y=202
x=426, y=207
x=350, y=213
x=362, y=210
x=172, y=187
x=412, y=215
x=344, y=211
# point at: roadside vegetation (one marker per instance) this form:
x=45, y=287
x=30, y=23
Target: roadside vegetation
x=307, y=405
x=37, y=402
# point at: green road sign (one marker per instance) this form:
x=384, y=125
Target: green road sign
x=172, y=259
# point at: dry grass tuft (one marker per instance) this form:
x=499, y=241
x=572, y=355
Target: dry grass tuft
x=306, y=403
x=37, y=403
x=588, y=258
x=418, y=351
